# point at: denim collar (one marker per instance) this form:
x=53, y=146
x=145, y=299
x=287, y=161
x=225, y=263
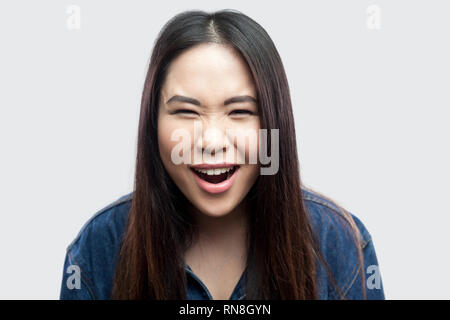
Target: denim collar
x=198, y=290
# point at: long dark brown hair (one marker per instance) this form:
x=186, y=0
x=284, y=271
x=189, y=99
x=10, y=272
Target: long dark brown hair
x=282, y=252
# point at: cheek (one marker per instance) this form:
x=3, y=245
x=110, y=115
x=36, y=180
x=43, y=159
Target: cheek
x=251, y=173
x=164, y=141
x=166, y=128
x=250, y=170
x=247, y=178
x=247, y=142
x=252, y=156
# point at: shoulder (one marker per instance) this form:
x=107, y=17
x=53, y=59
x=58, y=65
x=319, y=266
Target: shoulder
x=339, y=233
x=327, y=216
x=94, y=249
x=105, y=225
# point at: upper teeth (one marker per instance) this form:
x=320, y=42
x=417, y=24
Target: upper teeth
x=216, y=171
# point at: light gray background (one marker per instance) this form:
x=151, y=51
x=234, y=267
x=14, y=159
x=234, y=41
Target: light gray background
x=371, y=111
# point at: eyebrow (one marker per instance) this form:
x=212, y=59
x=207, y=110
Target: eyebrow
x=236, y=99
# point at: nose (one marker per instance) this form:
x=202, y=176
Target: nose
x=210, y=137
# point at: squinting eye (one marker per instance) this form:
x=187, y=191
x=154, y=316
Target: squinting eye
x=184, y=111
x=240, y=112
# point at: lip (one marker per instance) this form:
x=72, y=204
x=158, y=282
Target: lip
x=213, y=165
x=215, y=187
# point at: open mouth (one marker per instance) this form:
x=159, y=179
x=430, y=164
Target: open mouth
x=215, y=176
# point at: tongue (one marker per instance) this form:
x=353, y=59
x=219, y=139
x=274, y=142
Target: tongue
x=213, y=178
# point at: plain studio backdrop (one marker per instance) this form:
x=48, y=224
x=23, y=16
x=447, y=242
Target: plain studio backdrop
x=370, y=89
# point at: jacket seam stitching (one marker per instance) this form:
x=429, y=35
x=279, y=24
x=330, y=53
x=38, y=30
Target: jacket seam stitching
x=354, y=278
x=320, y=201
x=83, y=279
x=313, y=198
x=97, y=214
x=350, y=284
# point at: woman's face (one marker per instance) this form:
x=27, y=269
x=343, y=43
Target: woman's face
x=196, y=106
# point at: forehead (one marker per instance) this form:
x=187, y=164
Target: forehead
x=209, y=72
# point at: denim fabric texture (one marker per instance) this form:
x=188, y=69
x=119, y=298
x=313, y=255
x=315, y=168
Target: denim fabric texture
x=95, y=249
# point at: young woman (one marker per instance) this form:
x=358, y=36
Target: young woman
x=215, y=229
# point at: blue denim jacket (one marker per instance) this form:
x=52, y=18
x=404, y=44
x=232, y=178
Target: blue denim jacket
x=92, y=254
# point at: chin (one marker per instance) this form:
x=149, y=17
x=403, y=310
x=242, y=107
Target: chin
x=216, y=207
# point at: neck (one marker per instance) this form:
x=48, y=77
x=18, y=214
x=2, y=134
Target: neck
x=228, y=231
